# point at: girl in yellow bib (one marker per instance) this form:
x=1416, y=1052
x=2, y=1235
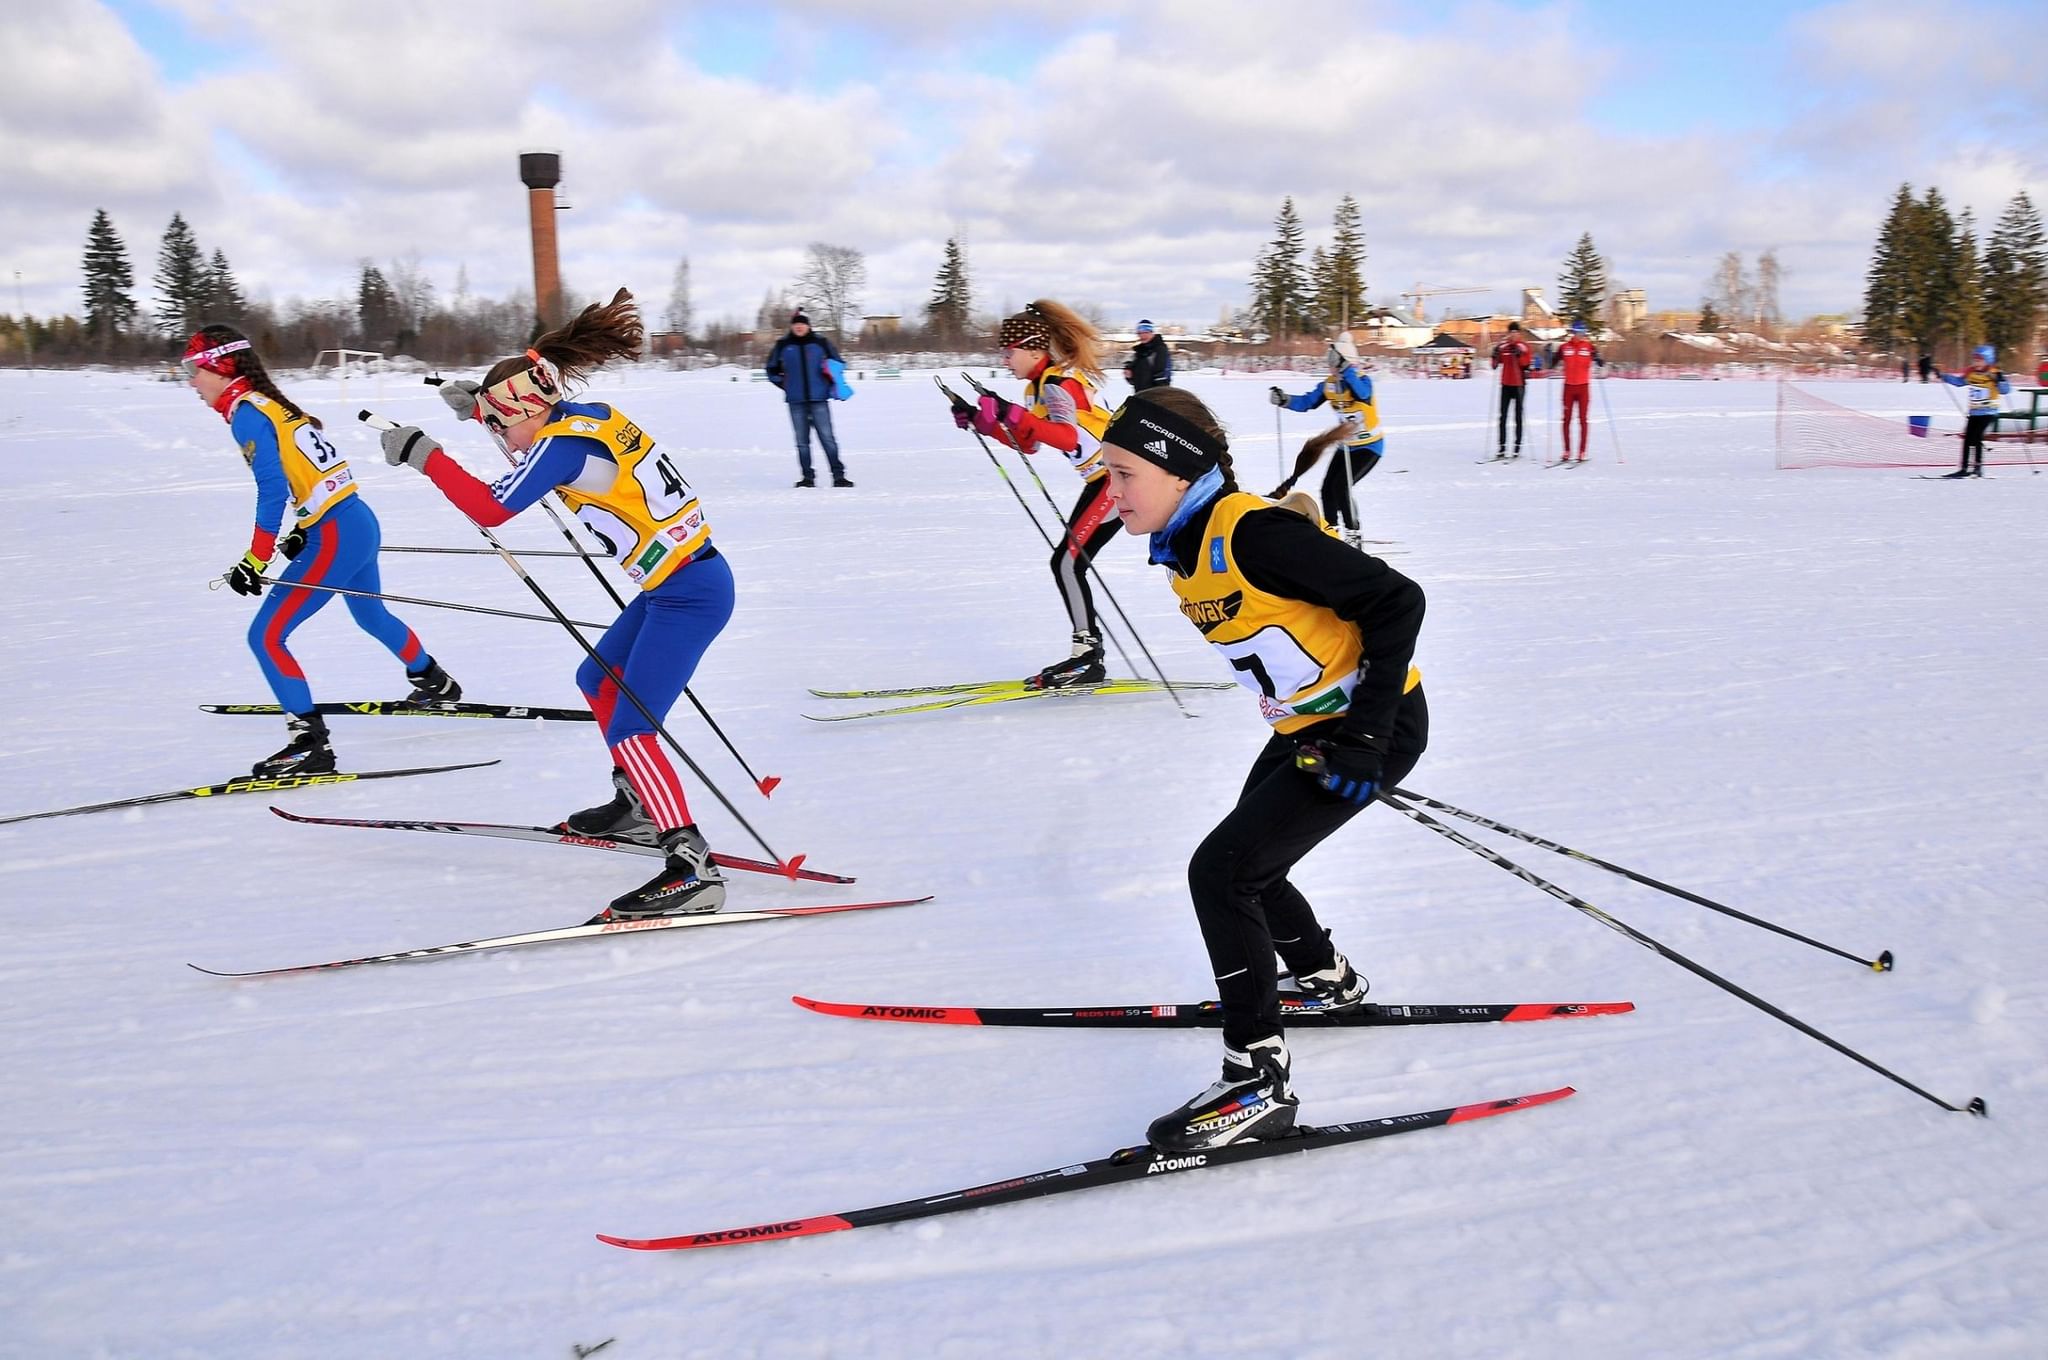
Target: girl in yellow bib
x=1323, y=636
x=632, y=501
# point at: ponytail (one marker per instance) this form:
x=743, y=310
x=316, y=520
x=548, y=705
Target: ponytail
x=591, y=339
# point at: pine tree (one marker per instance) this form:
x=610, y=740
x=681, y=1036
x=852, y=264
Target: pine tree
x=681, y=314
x=1322, y=291
x=1280, y=287
x=951, y=309
x=224, y=300
x=2015, y=280
x=1710, y=320
x=378, y=316
x=109, y=283
x=180, y=280
x=1346, y=303
x=1929, y=305
x=1582, y=288
x=1965, y=284
x=1887, y=286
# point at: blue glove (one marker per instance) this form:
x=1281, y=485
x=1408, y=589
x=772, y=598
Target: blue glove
x=408, y=446
x=246, y=576
x=1350, y=771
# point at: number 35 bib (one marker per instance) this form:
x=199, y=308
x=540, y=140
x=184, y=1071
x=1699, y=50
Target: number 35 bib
x=647, y=519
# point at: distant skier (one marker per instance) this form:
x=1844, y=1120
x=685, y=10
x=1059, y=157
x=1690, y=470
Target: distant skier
x=333, y=541
x=1576, y=357
x=1151, y=361
x=1323, y=635
x=1349, y=392
x=1053, y=349
x=1985, y=383
x=1513, y=357
x=633, y=502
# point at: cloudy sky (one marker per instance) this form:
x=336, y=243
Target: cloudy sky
x=1130, y=155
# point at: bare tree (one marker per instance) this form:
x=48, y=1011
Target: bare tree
x=680, y=314
x=1768, y=273
x=831, y=284
x=1733, y=294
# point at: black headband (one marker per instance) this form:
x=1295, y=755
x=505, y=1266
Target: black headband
x=1158, y=436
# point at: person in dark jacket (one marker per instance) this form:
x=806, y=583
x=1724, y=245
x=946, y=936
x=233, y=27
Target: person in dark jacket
x=1151, y=362
x=797, y=366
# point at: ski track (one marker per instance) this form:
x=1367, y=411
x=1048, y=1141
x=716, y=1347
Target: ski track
x=1813, y=696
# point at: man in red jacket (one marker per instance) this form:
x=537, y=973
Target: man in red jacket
x=1513, y=358
x=1577, y=356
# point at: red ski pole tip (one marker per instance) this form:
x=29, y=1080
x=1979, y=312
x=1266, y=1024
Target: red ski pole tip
x=767, y=786
x=790, y=866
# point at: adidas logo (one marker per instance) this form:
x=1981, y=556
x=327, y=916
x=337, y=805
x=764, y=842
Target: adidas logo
x=1157, y=446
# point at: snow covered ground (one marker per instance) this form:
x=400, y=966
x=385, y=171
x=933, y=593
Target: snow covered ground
x=1812, y=695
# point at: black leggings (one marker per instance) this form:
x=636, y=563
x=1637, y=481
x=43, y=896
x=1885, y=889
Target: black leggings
x=1975, y=428
x=1336, y=492
x=1511, y=395
x=1238, y=876
x=1092, y=524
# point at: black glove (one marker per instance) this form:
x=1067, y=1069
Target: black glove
x=408, y=446
x=246, y=576
x=1344, y=767
x=292, y=544
x=1276, y=396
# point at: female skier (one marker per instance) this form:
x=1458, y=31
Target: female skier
x=631, y=499
x=1054, y=350
x=333, y=541
x=1985, y=384
x=1349, y=393
x=1323, y=634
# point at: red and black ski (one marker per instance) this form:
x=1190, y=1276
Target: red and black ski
x=1128, y=1164
x=1209, y=1014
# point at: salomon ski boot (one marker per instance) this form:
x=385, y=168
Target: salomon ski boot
x=306, y=753
x=1254, y=1099
x=1333, y=989
x=432, y=686
x=689, y=883
x=1084, y=667
x=622, y=819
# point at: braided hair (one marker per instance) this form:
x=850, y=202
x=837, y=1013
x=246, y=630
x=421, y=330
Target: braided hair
x=247, y=365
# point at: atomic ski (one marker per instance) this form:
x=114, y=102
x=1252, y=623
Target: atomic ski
x=1127, y=1164
x=1209, y=1014
x=554, y=836
x=981, y=698
x=398, y=708
x=596, y=927
x=248, y=784
x=992, y=686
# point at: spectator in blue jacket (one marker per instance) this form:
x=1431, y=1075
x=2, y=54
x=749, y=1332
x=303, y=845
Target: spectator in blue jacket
x=797, y=365
x=1151, y=362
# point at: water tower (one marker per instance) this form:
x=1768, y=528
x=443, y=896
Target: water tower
x=541, y=171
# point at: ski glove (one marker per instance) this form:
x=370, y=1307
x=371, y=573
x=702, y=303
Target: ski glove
x=1276, y=396
x=246, y=576
x=1351, y=772
x=408, y=446
x=994, y=412
x=292, y=544
x=963, y=415
x=460, y=395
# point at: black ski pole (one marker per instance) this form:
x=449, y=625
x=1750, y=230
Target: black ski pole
x=278, y=583
x=766, y=786
x=1881, y=964
x=478, y=552
x=1976, y=1105
x=788, y=867
x=1074, y=547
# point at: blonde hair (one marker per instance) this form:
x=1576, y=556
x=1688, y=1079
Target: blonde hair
x=1075, y=343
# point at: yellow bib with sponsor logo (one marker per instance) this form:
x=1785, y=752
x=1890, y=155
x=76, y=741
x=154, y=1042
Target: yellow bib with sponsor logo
x=1092, y=419
x=1300, y=659
x=1363, y=416
x=316, y=474
x=647, y=518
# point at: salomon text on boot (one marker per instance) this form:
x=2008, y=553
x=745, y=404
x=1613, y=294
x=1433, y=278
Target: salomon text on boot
x=1253, y=1099
x=689, y=883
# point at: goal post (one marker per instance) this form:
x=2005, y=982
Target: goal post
x=339, y=363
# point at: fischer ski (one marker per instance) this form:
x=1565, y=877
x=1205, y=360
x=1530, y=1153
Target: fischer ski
x=979, y=699
x=1209, y=1014
x=992, y=686
x=554, y=836
x=1128, y=1164
x=247, y=783
x=596, y=927
x=398, y=708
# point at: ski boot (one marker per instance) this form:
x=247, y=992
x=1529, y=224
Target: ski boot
x=1332, y=990
x=432, y=686
x=1253, y=1100
x=1084, y=667
x=622, y=819
x=306, y=753
x=689, y=883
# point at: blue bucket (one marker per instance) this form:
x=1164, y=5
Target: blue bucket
x=1918, y=425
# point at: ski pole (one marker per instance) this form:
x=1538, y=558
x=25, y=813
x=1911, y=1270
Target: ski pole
x=1549, y=406
x=1881, y=964
x=766, y=786
x=1613, y=432
x=1975, y=1106
x=279, y=583
x=1279, y=444
x=788, y=867
x=1074, y=546
x=479, y=552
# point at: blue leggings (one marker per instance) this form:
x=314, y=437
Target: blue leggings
x=655, y=646
x=341, y=550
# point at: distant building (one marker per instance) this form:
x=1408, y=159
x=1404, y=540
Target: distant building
x=881, y=326
x=1626, y=310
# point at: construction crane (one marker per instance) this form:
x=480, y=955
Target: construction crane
x=1422, y=292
